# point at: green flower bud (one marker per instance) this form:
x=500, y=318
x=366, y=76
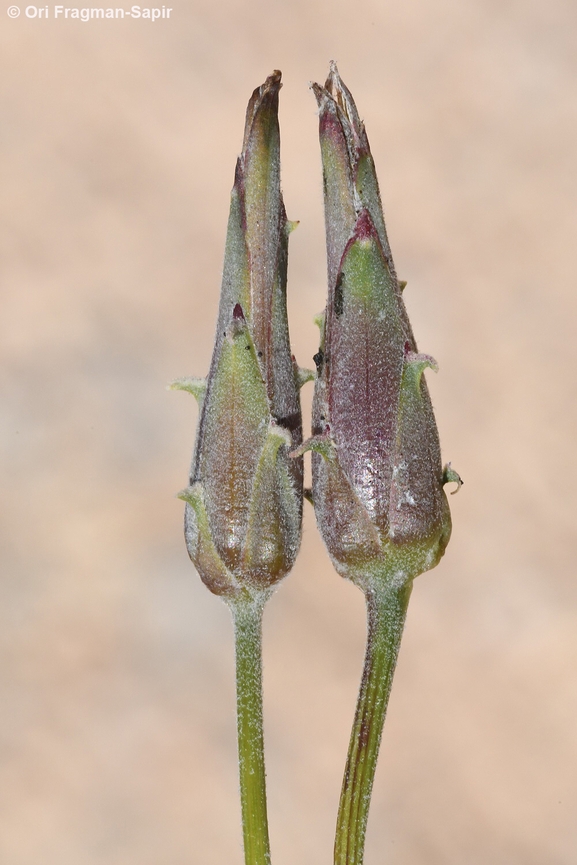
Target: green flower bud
x=244, y=501
x=377, y=473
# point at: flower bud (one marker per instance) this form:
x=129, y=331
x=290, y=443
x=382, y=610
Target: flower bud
x=244, y=501
x=377, y=474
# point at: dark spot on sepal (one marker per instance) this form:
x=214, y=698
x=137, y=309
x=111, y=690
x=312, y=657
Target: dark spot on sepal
x=238, y=174
x=291, y=422
x=338, y=304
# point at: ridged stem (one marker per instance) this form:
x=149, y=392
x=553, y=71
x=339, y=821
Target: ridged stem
x=247, y=617
x=386, y=611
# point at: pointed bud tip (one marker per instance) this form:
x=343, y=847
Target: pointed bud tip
x=335, y=98
x=268, y=92
x=333, y=82
x=264, y=99
x=271, y=86
x=273, y=80
x=327, y=101
x=321, y=95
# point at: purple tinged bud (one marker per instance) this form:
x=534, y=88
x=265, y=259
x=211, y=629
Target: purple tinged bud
x=244, y=501
x=377, y=473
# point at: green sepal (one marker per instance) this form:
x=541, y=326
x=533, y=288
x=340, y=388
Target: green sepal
x=420, y=518
x=355, y=540
x=369, y=280
x=367, y=188
x=201, y=549
x=236, y=272
x=238, y=391
x=235, y=419
x=274, y=519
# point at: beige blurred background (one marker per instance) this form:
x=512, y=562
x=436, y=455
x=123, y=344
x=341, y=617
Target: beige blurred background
x=118, y=143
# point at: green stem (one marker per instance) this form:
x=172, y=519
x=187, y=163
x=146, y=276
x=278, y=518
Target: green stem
x=247, y=617
x=386, y=611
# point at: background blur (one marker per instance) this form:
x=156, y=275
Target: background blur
x=119, y=140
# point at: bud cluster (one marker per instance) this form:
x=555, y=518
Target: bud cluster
x=244, y=499
x=377, y=474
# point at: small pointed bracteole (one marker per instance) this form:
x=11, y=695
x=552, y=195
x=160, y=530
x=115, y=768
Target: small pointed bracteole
x=188, y=495
x=402, y=284
x=450, y=476
x=303, y=375
x=279, y=435
x=320, y=444
x=291, y=225
x=195, y=386
x=319, y=320
x=308, y=495
x=418, y=363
